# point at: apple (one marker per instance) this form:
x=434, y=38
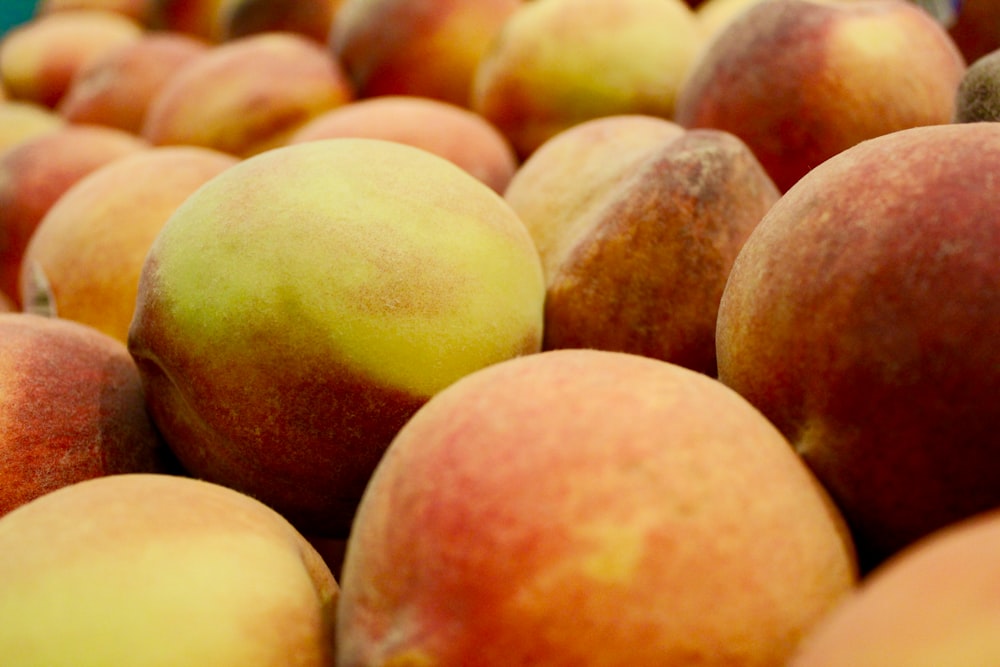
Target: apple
x=137, y=10
x=586, y=507
x=637, y=222
x=801, y=80
x=116, y=89
x=854, y=319
x=71, y=408
x=35, y=172
x=932, y=604
x=296, y=310
x=84, y=258
x=38, y=59
x=448, y=130
x=145, y=569
x=21, y=120
x=430, y=48
x=246, y=95
x=312, y=18
x=978, y=96
x=561, y=62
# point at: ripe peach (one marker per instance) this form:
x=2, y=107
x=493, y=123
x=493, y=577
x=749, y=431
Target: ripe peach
x=84, y=258
x=429, y=49
x=24, y=120
x=854, y=319
x=583, y=507
x=312, y=18
x=445, y=129
x=932, y=604
x=199, y=18
x=801, y=80
x=160, y=570
x=39, y=59
x=562, y=62
x=35, y=172
x=116, y=89
x=297, y=309
x=247, y=95
x=71, y=408
x=638, y=222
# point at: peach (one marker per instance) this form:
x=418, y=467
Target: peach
x=199, y=18
x=312, y=18
x=638, y=222
x=299, y=307
x=247, y=95
x=562, y=62
x=137, y=10
x=585, y=507
x=35, y=172
x=853, y=318
x=116, y=89
x=24, y=120
x=71, y=408
x=39, y=59
x=84, y=258
x=160, y=570
x=801, y=80
x=448, y=130
x=429, y=49
x=932, y=604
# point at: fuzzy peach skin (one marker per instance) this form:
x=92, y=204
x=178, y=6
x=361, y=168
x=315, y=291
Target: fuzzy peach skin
x=638, y=222
x=933, y=604
x=84, y=258
x=448, y=130
x=855, y=317
x=978, y=95
x=561, y=62
x=137, y=10
x=71, y=408
x=247, y=95
x=430, y=49
x=116, y=89
x=312, y=18
x=584, y=507
x=801, y=80
x=160, y=570
x=23, y=120
x=299, y=307
x=38, y=59
x=35, y=172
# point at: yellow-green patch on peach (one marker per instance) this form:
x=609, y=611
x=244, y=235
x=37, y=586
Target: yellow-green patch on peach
x=166, y=570
x=562, y=62
x=348, y=280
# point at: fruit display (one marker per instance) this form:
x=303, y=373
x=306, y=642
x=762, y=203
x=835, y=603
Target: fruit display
x=462, y=333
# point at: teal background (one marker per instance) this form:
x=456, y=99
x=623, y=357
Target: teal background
x=15, y=12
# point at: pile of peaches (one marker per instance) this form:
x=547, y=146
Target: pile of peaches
x=474, y=333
